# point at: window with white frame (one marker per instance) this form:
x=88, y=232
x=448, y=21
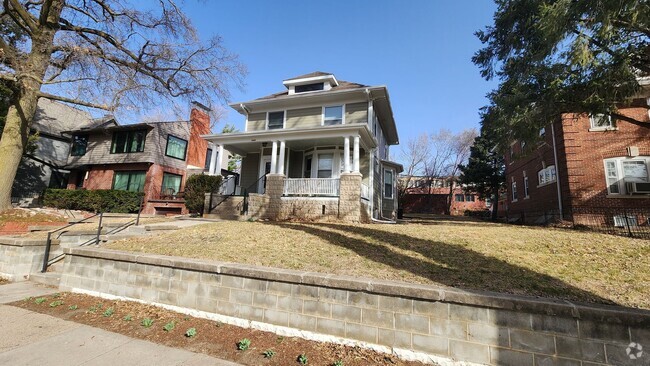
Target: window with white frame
x=546, y=175
x=333, y=115
x=600, y=121
x=514, y=191
x=276, y=120
x=325, y=164
x=625, y=175
x=526, y=187
x=388, y=183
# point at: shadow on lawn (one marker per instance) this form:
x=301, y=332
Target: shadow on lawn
x=453, y=266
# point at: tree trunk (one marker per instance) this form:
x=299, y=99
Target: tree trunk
x=495, y=204
x=450, y=197
x=21, y=113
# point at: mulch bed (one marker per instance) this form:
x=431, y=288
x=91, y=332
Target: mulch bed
x=212, y=338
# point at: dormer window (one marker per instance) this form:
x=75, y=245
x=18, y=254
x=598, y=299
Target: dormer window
x=309, y=87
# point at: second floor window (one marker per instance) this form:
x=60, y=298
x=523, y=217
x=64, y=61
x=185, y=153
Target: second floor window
x=514, y=191
x=333, y=115
x=601, y=121
x=79, y=145
x=276, y=120
x=128, y=141
x=176, y=147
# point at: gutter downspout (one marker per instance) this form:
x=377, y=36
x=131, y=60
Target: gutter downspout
x=557, y=174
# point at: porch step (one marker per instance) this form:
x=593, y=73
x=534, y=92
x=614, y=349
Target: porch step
x=47, y=278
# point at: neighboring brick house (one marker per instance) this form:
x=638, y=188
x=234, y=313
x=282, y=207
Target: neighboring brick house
x=318, y=150
x=153, y=158
x=45, y=166
x=423, y=195
x=583, y=166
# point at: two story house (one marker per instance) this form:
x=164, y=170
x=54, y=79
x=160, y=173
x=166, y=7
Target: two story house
x=153, y=158
x=592, y=170
x=317, y=150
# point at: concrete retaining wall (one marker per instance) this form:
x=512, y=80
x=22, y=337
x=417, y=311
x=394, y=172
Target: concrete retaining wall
x=20, y=256
x=412, y=321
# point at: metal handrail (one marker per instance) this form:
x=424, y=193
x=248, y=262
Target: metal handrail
x=48, y=244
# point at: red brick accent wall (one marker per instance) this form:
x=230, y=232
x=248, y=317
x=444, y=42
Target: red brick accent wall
x=436, y=202
x=580, y=167
x=197, y=146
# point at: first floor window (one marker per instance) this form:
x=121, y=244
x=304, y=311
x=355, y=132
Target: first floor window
x=514, y=191
x=307, y=172
x=129, y=181
x=176, y=147
x=627, y=176
x=171, y=183
x=546, y=175
x=325, y=163
x=388, y=183
x=276, y=120
x=469, y=198
x=460, y=198
x=128, y=141
x=79, y=145
x=333, y=115
x=208, y=157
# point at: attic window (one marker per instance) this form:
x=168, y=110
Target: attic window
x=309, y=87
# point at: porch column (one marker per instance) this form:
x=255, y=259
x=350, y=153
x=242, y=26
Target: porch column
x=274, y=157
x=219, y=158
x=281, y=158
x=213, y=159
x=346, y=154
x=355, y=166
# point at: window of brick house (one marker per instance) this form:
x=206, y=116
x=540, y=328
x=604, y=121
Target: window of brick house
x=514, y=191
x=526, y=187
x=460, y=198
x=626, y=175
x=176, y=147
x=129, y=181
x=601, y=121
x=546, y=175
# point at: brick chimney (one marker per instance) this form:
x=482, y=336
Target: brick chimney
x=199, y=125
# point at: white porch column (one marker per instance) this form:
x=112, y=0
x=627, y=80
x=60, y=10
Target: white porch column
x=274, y=157
x=355, y=166
x=218, y=158
x=281, y=158
x=213, y=158
x=346, y=154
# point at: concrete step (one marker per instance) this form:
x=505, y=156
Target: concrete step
x=48, y=278
x=160, y=227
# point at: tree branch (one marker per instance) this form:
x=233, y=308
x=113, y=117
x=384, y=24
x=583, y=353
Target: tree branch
x=73, y=101
x=28, y=19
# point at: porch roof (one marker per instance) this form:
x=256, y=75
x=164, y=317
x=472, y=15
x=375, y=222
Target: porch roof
x=295, y=138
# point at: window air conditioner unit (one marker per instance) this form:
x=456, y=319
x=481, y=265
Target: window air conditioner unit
x=637, y=188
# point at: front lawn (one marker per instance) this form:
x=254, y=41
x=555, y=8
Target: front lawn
x=558, y=263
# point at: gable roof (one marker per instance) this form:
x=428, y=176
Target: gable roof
x=310, y=75
x=343, y=85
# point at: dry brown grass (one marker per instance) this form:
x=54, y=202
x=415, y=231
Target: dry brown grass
x=26, y=216
x=558, y=263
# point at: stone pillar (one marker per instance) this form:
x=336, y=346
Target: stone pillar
x=274, y=158
x=346, y=154
x=274, y=190
x=350, y=197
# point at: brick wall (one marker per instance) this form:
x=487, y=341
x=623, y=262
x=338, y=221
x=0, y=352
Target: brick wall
x=413, y=321
x=580, y=164
x=197, y=147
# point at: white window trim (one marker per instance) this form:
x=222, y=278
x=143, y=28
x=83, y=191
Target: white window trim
x=513, y=194
x=622, y=189
x=284, y=119
x=594, y=128
x=526, y=188
x=337, y=162
x=322, y=113
x=540, y=184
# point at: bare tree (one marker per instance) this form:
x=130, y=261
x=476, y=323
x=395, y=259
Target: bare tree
x=459, y=148
x=102, y=54
x=413, y=156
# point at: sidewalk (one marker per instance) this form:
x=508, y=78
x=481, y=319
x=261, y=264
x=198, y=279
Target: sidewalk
x=37, y=339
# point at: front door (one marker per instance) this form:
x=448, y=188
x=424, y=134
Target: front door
x=265, y=168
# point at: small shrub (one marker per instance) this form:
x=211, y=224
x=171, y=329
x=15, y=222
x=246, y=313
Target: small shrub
x=302, y=359
x=269, y=353
x=127, y=318
x=338, y=363
x=243, y=344
x=195, y=189
x=108, y=313
x=73, y=307
x=92, y=309
x=28, y=299
x=40, y=300
x=169, y=326
x=190, y=333
x=147, y=322
x=99, y=200
x=56, y=303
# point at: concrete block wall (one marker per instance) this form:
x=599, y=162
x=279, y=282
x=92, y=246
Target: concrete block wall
x=20, y=256
x=415, y=320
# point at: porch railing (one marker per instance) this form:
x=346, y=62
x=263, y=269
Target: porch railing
x=365, y=192
x=311, y=187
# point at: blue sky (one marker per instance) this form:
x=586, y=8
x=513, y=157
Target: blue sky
x=420, y=50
